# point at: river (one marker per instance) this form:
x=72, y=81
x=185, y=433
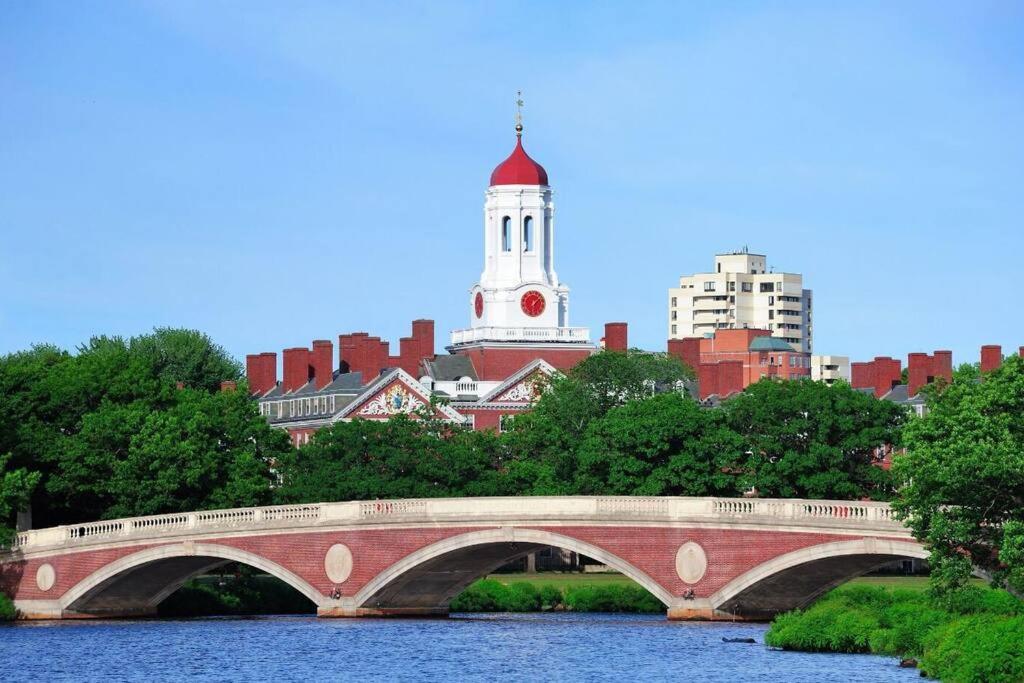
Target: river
x=523, y=647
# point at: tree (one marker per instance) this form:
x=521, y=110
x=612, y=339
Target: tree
x=403, y=457
x=543, y=443
x=662, y=445
x=807, y=439
x=961, y=481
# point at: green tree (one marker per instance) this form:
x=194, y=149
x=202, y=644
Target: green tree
x=404, y=457
x=807, y=439
x=962, y=478
x=541, y=445
x=662, y=445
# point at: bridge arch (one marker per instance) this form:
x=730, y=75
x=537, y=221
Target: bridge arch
x=793, y=580
x=430, y=578
x=137, y=583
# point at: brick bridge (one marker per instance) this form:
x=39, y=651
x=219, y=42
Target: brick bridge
x=704, y=558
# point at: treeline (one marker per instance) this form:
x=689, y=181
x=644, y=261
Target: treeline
x=617, y=424
x=126, y=427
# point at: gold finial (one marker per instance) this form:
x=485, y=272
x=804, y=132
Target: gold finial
x=519, y=112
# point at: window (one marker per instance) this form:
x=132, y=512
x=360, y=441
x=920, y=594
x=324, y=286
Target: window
x=709, y=286
x=506, y=234
x=528, y=233
x=767, y=287
x=746, y=286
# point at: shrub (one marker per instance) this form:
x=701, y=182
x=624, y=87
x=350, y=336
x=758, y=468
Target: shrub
x=981, y=648
x=7, y=611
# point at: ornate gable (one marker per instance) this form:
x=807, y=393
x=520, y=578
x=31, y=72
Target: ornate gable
x=397, y=393
x=523, y=386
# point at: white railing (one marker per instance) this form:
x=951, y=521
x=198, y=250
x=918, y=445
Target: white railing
x=537, y=334
x=869, y=517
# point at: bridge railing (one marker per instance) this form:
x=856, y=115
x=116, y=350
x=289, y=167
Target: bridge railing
x=869, y=516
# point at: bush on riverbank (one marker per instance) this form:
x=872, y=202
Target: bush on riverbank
x=7, y=611
x=976, y=634
x=489, y=595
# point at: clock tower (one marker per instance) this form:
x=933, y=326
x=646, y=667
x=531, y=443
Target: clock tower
x=519, y=298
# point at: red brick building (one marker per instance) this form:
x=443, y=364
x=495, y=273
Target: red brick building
x=519, y=330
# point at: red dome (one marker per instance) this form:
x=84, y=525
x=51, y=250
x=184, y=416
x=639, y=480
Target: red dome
x=519, y=169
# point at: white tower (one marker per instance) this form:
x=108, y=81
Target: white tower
x=519, y=297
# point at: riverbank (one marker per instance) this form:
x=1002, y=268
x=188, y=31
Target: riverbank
x=975, y=635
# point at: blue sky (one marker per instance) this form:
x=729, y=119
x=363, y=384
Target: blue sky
x=273, y=173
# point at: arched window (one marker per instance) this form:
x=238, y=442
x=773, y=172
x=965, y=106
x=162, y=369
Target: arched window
x=528, y=233
x=506, y=234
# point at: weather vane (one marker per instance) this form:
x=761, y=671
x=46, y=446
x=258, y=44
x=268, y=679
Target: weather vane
x=519, y=112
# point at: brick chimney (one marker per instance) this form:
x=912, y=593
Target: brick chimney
x=261, y=371
x=991, y=357
x=616, y=337
x=296, y=368
x=919, y=369
x=322, y=361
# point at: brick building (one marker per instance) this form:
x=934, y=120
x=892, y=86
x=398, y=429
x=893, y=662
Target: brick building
x=728, y=361
x=519, y=331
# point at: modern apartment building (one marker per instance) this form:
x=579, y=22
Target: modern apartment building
x=742, y=293
x=828, y=369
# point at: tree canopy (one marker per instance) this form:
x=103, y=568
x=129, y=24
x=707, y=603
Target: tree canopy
x=962, y=477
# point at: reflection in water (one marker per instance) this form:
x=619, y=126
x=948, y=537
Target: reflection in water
x=552, y=647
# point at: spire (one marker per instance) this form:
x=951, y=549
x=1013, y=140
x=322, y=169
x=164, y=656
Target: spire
x=519, y=113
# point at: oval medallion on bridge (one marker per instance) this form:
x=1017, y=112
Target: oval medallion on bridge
x=532, y=303
x=691, y=562
x=338, y=563
x=46, y=577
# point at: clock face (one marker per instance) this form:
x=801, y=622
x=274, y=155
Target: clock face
x=478, y=304
x=532, y=303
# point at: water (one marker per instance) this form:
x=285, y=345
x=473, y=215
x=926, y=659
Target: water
x=524, y=647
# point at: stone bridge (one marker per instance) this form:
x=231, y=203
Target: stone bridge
x=704, y=558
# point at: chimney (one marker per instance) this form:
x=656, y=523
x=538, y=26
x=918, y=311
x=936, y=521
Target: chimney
x=296, y=368
x=616, y=337
x=918, y=371
x=942, y=365
x=322, y=359
x=423, y=333
x=991, y=357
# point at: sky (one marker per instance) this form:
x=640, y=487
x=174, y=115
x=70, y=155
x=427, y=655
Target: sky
x=272, y=173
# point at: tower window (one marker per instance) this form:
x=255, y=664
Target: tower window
x=506, y=234
x=528, y=233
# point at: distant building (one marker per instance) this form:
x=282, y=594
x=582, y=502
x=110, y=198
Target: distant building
x=518, y=334
x=828, y=369
x=729, y=361
x=742, y=293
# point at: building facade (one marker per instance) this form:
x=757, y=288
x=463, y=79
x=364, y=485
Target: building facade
x=830, y=369
x=742, y=293
x=518, y=334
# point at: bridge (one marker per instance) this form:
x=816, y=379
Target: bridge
x=704, y=558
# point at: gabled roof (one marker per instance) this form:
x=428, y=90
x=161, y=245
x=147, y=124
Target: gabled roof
x=411, y=384
x=538, y=365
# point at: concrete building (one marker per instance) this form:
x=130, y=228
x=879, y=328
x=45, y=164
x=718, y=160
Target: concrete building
x=742, y=292
x=828, y=369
